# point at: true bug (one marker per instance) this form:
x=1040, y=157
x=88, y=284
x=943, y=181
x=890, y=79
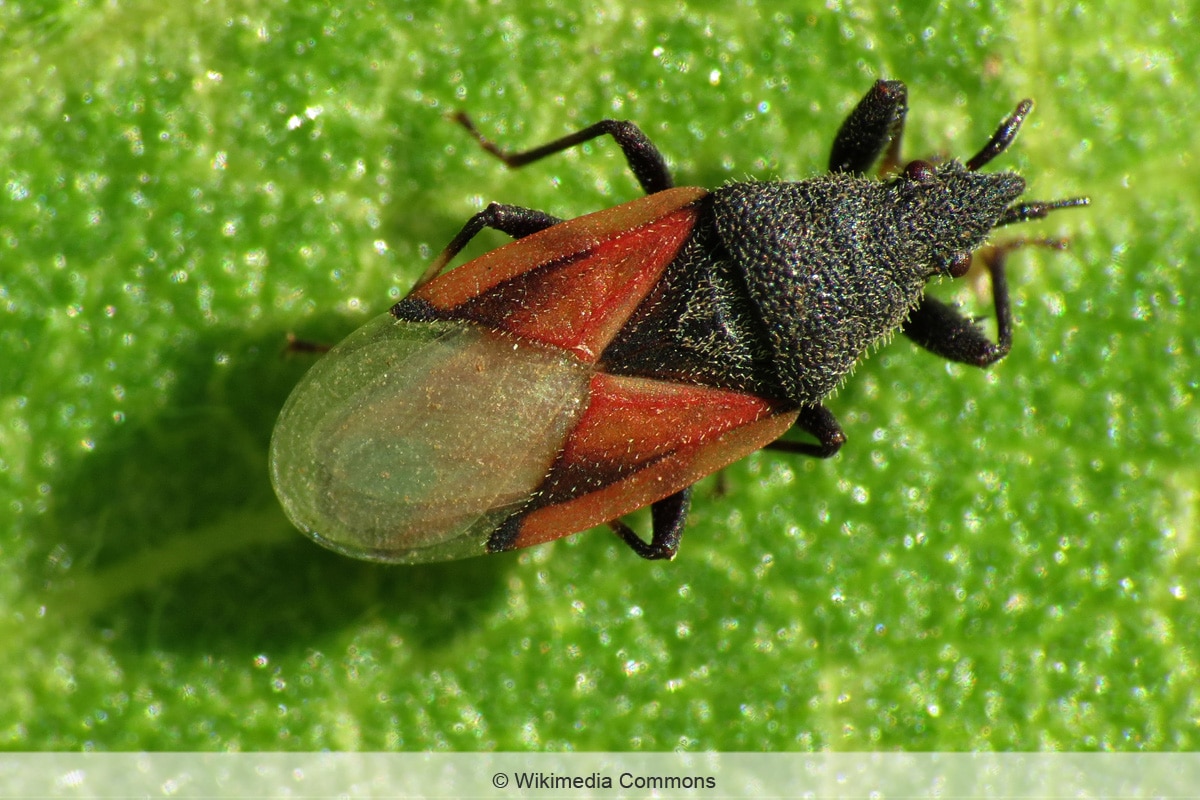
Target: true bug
x=606, y=363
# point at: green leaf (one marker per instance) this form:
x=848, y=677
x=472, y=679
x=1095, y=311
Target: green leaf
x=996, y=560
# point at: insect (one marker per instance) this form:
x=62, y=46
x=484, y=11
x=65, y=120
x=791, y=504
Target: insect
x=603, y=364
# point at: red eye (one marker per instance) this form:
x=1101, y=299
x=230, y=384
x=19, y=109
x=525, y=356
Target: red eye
x=919, y=171
x=959, y=265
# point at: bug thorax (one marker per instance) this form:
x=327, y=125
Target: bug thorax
x=834, y=265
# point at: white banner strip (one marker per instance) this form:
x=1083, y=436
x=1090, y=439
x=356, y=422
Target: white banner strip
x=462, y=776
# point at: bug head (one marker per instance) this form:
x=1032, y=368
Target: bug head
x=957, y=206
x=953, y=209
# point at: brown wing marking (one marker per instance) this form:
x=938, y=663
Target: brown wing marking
x=573, y=285
x=642, y=440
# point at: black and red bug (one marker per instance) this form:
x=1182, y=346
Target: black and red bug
x=606, y=363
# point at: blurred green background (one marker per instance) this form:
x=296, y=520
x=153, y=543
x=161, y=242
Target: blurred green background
x=1003, y=559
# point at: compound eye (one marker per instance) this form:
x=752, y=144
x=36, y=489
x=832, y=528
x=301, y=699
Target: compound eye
x=959, y=265
x=919, y=171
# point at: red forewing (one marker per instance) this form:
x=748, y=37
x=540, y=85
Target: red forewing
x=573, y=285
x=639, y=441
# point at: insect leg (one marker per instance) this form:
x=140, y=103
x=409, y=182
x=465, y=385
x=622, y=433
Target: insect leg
x=305, y=346
x=516, y=221
x=875, y=124
x=819, y=421
x=667, y=518
x=942, y=329
x=646, y=163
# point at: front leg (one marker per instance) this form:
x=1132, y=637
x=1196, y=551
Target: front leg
x=876, y=124
x=942, y=329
